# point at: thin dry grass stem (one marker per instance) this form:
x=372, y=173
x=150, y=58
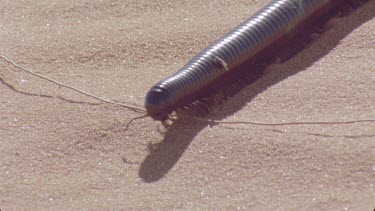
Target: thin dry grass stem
x=291, y=123
x=133, y=108
x=139, y=109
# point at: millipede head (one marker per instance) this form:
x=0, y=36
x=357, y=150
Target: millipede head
x=156, y=103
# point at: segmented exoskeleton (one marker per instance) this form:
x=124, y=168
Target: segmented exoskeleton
x=273, y=23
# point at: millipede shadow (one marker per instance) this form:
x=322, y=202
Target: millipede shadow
x=164, y=155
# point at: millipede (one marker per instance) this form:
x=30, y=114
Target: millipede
x=251, y=41
x=277, y=21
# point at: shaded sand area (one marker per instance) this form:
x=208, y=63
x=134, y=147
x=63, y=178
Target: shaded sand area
x=60, y=150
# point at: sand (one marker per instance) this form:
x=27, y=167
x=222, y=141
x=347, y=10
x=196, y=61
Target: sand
x=61, y=150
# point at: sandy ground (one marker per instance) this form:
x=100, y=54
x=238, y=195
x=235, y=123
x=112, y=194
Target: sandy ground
x=59, y=150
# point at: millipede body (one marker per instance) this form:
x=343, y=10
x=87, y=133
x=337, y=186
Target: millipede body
x=277, y=21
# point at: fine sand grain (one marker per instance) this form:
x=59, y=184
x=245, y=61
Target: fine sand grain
x=60, y=150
